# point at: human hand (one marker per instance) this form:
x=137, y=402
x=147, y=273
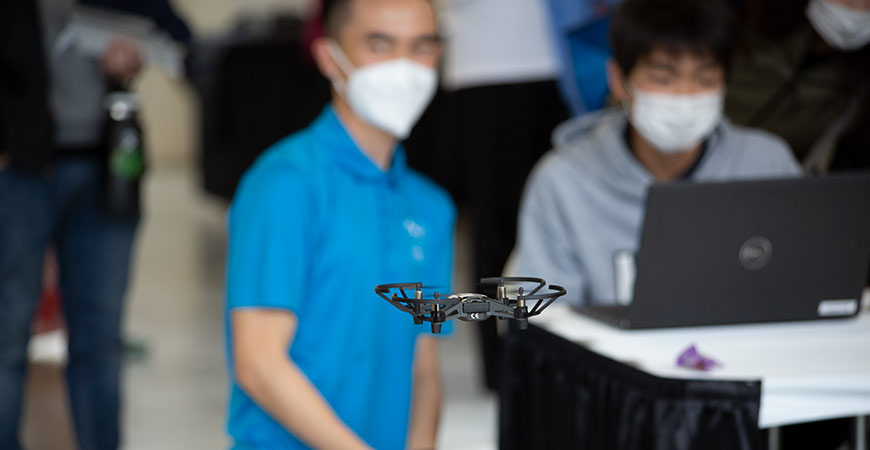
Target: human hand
x=4, y=161
x=121, y=60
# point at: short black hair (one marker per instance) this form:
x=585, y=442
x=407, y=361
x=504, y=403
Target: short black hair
x=335, y=14
x=701, y=27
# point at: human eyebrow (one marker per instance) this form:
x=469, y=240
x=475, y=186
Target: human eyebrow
x=658, y=65
x=429, y=39
x=380, y=37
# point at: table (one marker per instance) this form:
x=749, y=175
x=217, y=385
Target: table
x=772, y=375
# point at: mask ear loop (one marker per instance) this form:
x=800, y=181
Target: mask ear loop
x=628, y=103
x=343, y=63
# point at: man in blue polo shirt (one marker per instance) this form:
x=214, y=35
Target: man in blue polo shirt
x=316, y=358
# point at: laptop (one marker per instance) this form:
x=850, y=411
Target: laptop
x=747, y=252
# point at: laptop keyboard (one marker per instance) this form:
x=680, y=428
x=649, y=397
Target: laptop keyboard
x=614, y=315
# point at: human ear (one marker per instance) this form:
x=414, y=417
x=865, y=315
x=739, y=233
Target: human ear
x=616, y=81
x=324, y=59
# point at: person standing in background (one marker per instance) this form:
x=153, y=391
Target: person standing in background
x=501, y=62
x=801, y=70
x=50, y=193
x=25, y=121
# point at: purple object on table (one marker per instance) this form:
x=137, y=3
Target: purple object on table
x=691, y=359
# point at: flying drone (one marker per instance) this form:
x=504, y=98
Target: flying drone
x=469, y=306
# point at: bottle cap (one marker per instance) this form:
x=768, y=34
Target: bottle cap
x=121, y=105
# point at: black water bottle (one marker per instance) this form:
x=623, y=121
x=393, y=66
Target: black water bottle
x=125, y=156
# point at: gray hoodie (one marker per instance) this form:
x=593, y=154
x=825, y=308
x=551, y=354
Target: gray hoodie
x=584, y=201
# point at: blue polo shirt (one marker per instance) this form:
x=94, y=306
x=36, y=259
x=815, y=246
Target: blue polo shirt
x=314, y=226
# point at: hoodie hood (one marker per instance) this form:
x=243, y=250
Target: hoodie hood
x=595, y=143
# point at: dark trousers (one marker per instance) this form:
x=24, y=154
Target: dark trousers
x=505, y=129
x=93, y=256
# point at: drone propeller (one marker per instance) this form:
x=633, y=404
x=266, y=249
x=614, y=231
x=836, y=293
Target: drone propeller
x=438, y=308
x=423, y=309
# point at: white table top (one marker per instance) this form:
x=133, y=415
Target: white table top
x=810, y=371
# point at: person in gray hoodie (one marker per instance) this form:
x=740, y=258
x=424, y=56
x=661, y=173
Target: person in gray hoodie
x=584, y=202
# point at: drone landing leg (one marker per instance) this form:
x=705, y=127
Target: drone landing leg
x=521, y=313
x=437, y=318
x=522, y=324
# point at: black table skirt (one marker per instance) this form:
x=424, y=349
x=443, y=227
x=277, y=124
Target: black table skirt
x=559, y=395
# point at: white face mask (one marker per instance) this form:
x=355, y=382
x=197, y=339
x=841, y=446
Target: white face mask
x=841, y=27
x=390, y=95
x=675, y=123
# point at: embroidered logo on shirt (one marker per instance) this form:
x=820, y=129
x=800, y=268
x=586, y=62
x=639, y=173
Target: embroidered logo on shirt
x=417, y=253
x=415, y=230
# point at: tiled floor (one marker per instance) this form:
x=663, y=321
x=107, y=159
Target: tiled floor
x=176, y=393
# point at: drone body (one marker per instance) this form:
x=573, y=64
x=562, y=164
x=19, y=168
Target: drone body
x=471, y=306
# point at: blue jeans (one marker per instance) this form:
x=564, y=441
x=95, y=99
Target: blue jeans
x=94, y=257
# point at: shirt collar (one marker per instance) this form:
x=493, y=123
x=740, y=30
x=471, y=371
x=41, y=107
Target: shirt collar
x=338, y=144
